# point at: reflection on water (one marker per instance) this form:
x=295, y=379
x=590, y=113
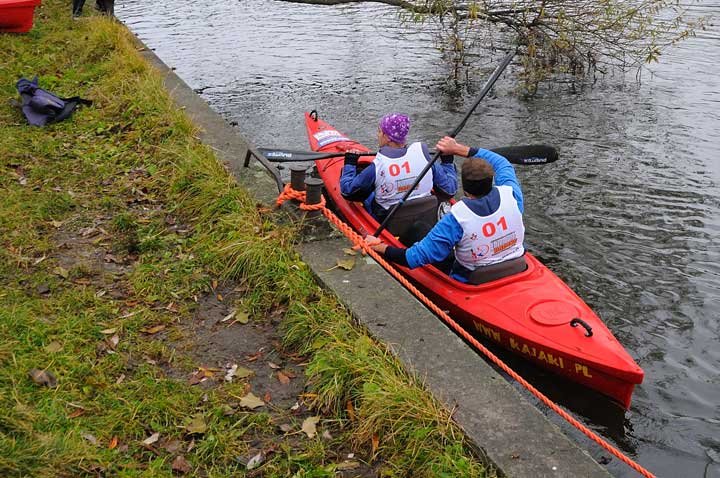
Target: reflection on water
x=629, y=216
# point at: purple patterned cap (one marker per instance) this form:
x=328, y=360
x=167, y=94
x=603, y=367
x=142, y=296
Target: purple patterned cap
x=396, y=127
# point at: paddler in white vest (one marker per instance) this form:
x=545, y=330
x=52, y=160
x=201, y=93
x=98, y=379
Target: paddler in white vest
x=382, y=184
x=484, y=228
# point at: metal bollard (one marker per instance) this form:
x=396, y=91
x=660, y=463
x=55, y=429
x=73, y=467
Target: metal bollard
x=297, y=177
x=314, y=193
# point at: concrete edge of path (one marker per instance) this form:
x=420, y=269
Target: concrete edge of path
x=512, y=433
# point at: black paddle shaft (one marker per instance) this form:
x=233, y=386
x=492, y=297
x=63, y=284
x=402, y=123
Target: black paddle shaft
x=488, y=85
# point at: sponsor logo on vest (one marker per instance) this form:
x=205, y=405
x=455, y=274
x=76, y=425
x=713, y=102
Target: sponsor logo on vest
x=504, y=243
x=387, y=188
x=405, y=184
x=480, y=251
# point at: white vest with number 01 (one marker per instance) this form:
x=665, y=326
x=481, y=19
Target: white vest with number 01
x=394, y=176
x=490, y=239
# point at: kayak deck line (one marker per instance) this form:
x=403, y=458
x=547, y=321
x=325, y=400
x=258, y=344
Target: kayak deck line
x=359, y=241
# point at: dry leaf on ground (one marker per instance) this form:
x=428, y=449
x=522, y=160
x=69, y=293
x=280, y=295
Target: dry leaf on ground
x=251, y=401
x=346, y=264
x=153, y=330
x=54, y=346
x=43, y=377
x=181, y=465
x=151, y=439
x=255, y=461
x=197, y=425
x=282, y=378
x=309, y=426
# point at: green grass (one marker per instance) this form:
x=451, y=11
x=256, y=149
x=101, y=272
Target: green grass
x=125, y=165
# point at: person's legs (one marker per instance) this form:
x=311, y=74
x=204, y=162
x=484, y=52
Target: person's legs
x=106, y=6
x=77, y=7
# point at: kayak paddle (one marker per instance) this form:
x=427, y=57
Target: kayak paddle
x=528, y=154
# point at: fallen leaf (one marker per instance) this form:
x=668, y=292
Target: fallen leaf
x=326, y=435
x=282, y=378
x=43, y=377
x=54, y=346
x=61, y=272
x=255, y=461
x=113, y=443
x=181, y=465
x=151, y=439
x=120, y=379
x=197, y=425
x=285, y=427
x=90, y=438
x=153, y=330
x=114, y=341
x=229, y=316
x=346, y=264
x=349, y=252
x=56, y=224
x=350, y=409
x=347, y=465
x=76, y=413
x=243, y=372
x=108, y=331
x=375, y=442
x=242, y=317
x=309, y=426
x=172, y=446
x=273, y=365
x=251, y=401
x=267, y=398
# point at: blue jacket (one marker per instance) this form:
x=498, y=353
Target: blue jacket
x=361, y=187
x=440, y=241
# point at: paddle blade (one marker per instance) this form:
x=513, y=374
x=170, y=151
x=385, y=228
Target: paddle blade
x=528, y=154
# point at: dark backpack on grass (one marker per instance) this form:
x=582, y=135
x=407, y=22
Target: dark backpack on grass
x=42, y=107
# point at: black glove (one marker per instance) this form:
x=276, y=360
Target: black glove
x=351, y=159
x=447, y=158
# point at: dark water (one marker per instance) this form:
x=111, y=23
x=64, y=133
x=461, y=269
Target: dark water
x=629, y=217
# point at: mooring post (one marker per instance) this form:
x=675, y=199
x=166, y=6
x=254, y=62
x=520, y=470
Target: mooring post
x=314, y=193
x=297, y=177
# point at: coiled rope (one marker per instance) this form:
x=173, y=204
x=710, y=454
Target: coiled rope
x=290, y=193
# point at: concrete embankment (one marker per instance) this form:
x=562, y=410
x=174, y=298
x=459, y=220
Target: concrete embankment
x=511, y=432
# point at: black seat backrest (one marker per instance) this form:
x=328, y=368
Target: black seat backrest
x=481, y=275
x=420, y=209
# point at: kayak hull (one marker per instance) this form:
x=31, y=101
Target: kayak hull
x=533, y=314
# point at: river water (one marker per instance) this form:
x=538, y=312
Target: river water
x=629, y=217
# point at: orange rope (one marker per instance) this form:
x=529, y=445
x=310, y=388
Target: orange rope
x=359, y=241
x=301, y=196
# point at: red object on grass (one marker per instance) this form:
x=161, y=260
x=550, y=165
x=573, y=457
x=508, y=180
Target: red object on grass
x=16, y=16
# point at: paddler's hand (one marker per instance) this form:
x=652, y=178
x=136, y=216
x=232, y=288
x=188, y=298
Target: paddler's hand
x=351, y=158
x=449, y=146
x=375, y=244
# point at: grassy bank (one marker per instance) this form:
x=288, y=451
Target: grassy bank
x=120, y=234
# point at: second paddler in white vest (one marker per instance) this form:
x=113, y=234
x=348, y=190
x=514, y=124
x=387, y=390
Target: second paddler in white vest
x=397, y=165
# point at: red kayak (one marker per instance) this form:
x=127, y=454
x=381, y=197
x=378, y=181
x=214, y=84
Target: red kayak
x=532, y=313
